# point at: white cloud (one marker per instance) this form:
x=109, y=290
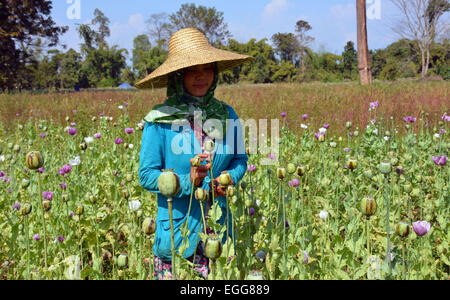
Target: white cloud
x=275, y=8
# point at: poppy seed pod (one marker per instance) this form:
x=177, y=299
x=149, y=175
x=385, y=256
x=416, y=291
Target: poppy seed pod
x=46, y=205
x=201, y=195
x=83, y=146
x=348, y=125
x=231, y=190
x=407, y=187
x=25, y=183
x=125, y=194
x=402, y=229
x=209, y=146
x=291, y=168
x=352, y=163
x=149, y=226
x=196, y=161
x=385, y=167
x=255, y=275
x=26, y=209
x=225, y=178
x=34, y=160
x=168, y=183
x=301, y=170
x=281, y=173
x=368, y=206
x=80, y=210
x=213, y=247
x=122, y=260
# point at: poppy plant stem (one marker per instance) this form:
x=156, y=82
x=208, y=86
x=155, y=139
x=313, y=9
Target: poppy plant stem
x=172, y=238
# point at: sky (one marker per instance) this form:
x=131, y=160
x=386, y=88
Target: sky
x=333, y=22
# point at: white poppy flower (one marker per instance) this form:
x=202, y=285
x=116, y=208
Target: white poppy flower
x=323, y=214
x=130, y=146
x=75, y=162
x=304, y=126
x=134, y=205
x=89, y=139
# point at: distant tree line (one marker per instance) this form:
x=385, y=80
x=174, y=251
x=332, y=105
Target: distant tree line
x=287, y=57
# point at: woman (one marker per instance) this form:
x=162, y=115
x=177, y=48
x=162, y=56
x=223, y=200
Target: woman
x=174, y=134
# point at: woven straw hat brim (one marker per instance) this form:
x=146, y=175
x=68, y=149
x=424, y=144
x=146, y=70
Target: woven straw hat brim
x=225, y=61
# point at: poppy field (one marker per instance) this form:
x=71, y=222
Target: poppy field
x=359, y=189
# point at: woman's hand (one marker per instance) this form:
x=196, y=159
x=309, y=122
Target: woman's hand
x=200, y=173
x=219, y=190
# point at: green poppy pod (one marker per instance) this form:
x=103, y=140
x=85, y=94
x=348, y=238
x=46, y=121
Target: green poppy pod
x=255, y=275
x=196, y=161
x=26, y=209
x=168, y=183
x=385, y=167
x=201, y=195
x=213, y=247
x=34, y=160
x=83, y=146
x=25, y=183
x=149, y=226
x=281, y=173
x=368, y=206
x=122, y=260
x=352, y=163
x=231, y=191
x=46, y=205
x=209, y=146
x=225, y=178
x=348, y=125
x=291, y=168
x=402, y=229
x=301, y=170
x=80, y=210
x=407, y=187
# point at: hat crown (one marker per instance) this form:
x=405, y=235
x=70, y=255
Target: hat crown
x=187, y=40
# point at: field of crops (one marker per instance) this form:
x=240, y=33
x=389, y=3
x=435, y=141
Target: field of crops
x=360, y=190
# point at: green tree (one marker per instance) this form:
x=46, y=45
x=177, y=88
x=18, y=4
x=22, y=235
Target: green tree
x=21, y=23
x=140, y=52
x=286, y=46
x=350, y=60
x=208, y=20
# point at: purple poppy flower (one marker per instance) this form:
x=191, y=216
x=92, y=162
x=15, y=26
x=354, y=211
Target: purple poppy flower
x=305, y=116
x=251, y=168
x=440, y=160
x=36, y=237
x=326, y=126
x=47, y=195
x=73, y=124
x=129, y=130
x=421, y=227
x=294, y=183
x=320, y=136
x=16, y=206
x=42, y=135
x=63, y=185
x=283, y=115
x=41, y=170
x=102, y=115
x=251, y=211
x=118, y=141
x=98, y=135
x=446, y=118
x=61, y=172
x=374, y=105
x=67, y=168
x=346, y=150
x=61, y=238
x=2, y=174
x=286, y=224
x=72, y=131
x=409, y=119
x=306, y=256
x=272, y=156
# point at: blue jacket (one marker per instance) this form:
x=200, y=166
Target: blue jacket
x=159, y=151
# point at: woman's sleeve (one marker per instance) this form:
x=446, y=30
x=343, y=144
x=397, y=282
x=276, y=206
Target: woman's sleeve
x=151, y=161
x=238, y=165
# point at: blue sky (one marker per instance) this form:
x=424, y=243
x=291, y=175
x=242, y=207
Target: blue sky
x=333, y=21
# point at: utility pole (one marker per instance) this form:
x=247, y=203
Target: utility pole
x=364, y=70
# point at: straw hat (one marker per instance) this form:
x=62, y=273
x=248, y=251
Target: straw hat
x=189, y=47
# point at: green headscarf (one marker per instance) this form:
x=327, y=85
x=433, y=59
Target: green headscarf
x=181, y=106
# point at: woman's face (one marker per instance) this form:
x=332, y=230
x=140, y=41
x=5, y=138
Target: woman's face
x=198, y=79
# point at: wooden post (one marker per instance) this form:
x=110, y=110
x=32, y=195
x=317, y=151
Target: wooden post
x=364, y=70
